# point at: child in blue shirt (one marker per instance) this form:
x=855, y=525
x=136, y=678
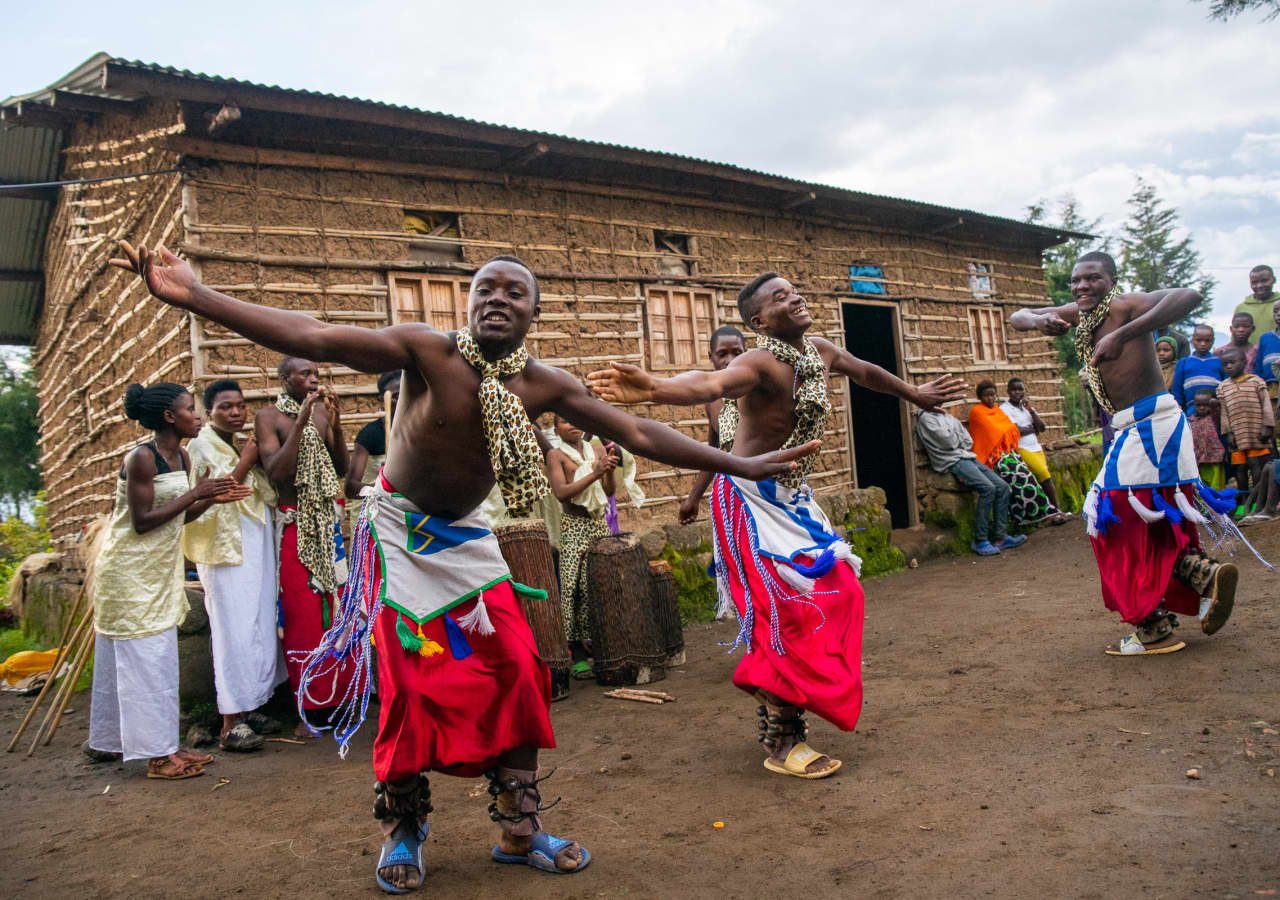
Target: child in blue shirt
x=1199, y=371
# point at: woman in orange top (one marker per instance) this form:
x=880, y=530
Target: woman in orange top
x=995, y=443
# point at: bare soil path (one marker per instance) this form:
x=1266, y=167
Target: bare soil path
x=1000, y=753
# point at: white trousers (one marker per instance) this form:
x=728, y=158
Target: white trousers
x=134, y=710
x=248, y=662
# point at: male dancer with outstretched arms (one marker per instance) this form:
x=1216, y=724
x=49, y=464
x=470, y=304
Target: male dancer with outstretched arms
x=461, y=686
x=1142, y=509
x=779, y=562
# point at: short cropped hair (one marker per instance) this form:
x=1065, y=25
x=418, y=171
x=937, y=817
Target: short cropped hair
x=1015, y=380
x=985, y=384
x=1108, y=263
x=217, y=387
x=385, y=380
x=1242, y=315
x=1263, y=268
x=726, y=331
x=506, y=257
x=748, y=306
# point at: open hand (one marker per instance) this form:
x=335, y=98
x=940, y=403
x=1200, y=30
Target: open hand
x=1053, y=324
x=931, y=395
x=166, y=276
x=1106, y=348
x=234, y=495
x=779, y=462
x=622, y=383
x=208, y=488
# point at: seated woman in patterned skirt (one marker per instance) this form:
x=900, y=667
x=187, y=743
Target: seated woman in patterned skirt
x=995, y=443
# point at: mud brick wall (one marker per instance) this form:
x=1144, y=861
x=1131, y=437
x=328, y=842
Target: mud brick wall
x=100, y=330
x=300, y=233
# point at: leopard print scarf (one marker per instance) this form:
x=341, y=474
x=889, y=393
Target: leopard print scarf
x=809, y=389
x=727, y=424
x=317, y=485
x=508, y=433
x=1089, y=323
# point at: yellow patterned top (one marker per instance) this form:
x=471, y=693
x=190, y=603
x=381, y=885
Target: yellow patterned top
x=214, y=538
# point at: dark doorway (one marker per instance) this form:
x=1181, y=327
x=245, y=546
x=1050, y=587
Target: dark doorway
x=877, y=419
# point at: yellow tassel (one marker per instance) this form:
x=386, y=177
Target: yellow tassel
x=429, y=647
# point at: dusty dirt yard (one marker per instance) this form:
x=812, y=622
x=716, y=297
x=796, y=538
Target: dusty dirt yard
x=1000, y=753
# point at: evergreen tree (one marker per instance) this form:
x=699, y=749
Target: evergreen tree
x=1152, y=257
x=1225, y=10
x=19, y=437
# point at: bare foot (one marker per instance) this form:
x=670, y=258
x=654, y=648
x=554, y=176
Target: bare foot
x=405, y=877
x=301, y=731
x=566, y=860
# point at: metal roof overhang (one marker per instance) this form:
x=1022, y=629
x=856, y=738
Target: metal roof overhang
x=103, y=83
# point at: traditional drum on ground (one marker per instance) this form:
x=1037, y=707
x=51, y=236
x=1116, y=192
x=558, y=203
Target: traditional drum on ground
x=666, y=610
x=527, y=550
x=625, y=644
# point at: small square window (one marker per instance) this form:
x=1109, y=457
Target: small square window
x=675, y=253
x=439, y=235
x=981, y=284
x=680, y=324
x=986, y=331
x=866, y=279
x=438, y=300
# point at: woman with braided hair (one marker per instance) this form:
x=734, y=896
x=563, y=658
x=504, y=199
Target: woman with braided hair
x=137, y=588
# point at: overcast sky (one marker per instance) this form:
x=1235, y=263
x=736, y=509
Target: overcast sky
x=987, y=105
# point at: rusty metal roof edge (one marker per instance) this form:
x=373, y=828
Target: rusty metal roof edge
x=97, y=68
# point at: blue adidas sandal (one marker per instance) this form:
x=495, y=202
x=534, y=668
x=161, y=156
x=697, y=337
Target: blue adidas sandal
x=402, y=852
x=542, y=855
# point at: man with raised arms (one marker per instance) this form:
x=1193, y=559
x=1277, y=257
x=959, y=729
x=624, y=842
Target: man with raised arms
x=779, y=562
x=462, y=689
x=1142, y=509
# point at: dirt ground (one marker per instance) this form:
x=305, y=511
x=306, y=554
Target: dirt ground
x=1000, y=753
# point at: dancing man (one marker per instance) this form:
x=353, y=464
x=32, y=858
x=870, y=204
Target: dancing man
x=462, y=688
x=778, y=560
x=1141, y=510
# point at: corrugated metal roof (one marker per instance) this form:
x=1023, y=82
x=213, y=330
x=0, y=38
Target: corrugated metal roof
x=26, y=155
x=32, y=155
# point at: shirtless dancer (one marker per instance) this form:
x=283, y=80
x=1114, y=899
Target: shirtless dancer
x=1141, y=510
x=481, y=705
x=777, y=557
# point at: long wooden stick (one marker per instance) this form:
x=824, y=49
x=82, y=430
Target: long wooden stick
x=85, y=653
x=63, y=647
x=386, y=411
x=64, y=689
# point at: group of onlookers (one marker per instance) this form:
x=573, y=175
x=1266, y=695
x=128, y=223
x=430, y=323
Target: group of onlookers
x=1229, y=393
x=997, y=454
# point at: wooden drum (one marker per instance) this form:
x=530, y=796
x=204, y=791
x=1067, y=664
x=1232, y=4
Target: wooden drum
x=666, y=611
x=527, y=550
x=625, y=643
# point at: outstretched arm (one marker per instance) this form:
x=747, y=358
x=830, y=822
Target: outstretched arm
x=875, y=378
x=297, y=334
x=1146, y=313
x=625, y=383
x=645, y=437
x=1050, y=320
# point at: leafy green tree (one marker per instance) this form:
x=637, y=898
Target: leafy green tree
x=1225, y=10
x=19, y=438
x=1152, y=257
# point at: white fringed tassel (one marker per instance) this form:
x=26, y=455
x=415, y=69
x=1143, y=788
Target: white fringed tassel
x=478, y=619
x=1091, y=512
x=1190, y=512
x=795, y=579
x=1148, y=515
x=845, y=552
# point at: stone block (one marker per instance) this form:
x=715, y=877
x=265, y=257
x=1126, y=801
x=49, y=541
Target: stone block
x=687, y=537
x=195, y=669
x=653, y=542
x=197, y=620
